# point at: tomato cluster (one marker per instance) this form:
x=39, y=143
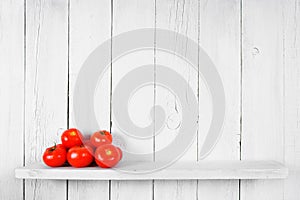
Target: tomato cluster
x=80, y=152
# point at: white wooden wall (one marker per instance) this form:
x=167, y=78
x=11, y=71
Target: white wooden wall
x=255, y=45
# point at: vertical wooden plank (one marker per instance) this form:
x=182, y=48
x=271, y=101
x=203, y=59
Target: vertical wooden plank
x=90, y=23
x=291, y=17
x=11, y=96
x=180, y=17
x=220, y=38
x=262, y=92
x=129, y=16
x=46, y=87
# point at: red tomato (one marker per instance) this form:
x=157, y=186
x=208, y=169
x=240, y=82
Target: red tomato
x=71, y=137
x=107, y=156
x=89, y=144
x=80, y=156
x=120, y=152
x=55, y=156
x=101, y=137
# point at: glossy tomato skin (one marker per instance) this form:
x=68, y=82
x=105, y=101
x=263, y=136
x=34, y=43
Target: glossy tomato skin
x=80, y=156
x=107, y=156
x=120, y=152
x=100, y=138
x=55, y=156
x=88, y=143
x=71, y=137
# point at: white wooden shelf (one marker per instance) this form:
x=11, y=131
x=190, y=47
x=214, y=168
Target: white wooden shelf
x=180, y=171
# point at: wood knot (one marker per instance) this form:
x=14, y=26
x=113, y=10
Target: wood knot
x=255, y=51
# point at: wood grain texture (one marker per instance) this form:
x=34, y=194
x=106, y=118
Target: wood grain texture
x=220, y=38
x=89, y=26
x=186, y=170
x=291, y=17
x=262, y=91
x=46, y=87
x=129, y=16
x=11, y=96
x=270, y=88
x=180, y=17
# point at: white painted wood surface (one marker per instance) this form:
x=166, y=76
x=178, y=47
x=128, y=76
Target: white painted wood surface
x=262, y=92
x=46, y=84
x=180, y=171
x=87, y=30
x=128, y=16
x=220, y=37
x=11, y=96
x=269, y=84
x=292, y=97
x=182, y=18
